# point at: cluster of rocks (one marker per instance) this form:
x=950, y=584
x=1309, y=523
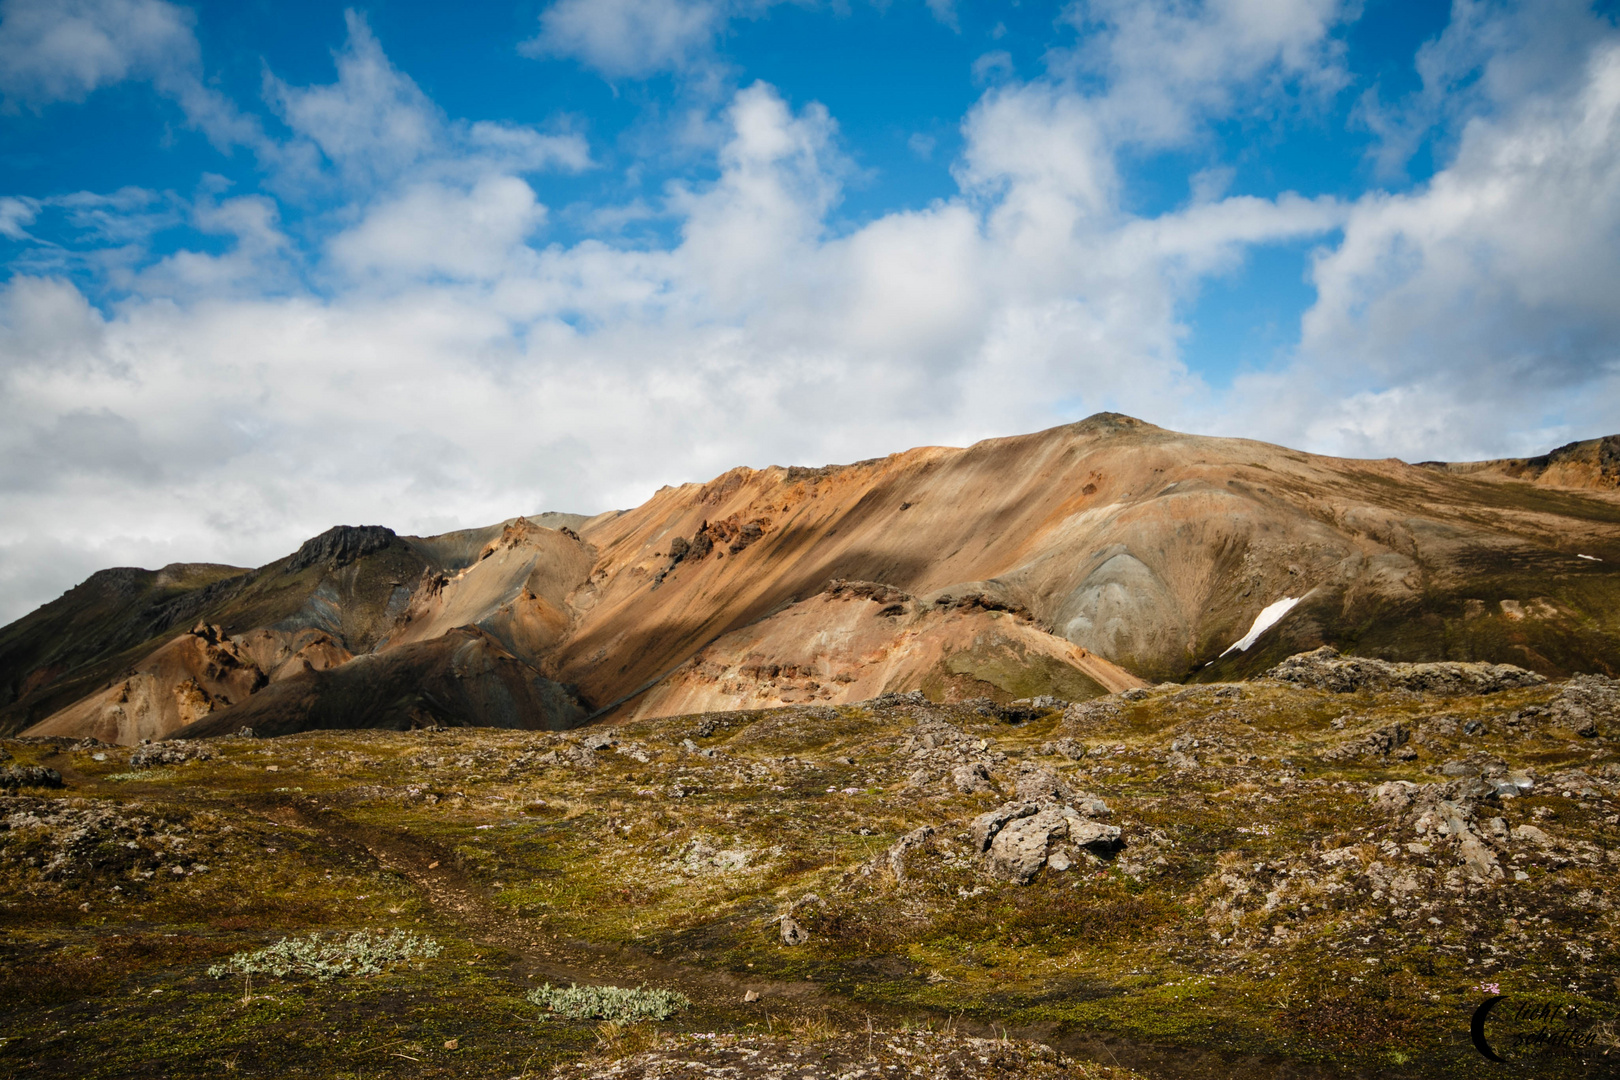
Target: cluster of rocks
x=913, y=698
x=934, y=749
x=1020, y=711
x=1098, y=713
x=702, y=857
x=1588, y=705
x=1388, y=741
x=1047, y=824
x=13, y=777
x=1325, y=669
x=171, y=752
x=854, y=1056
x=1451, y=811
x=74, y=841
x=1021, y=837
x=894, y=600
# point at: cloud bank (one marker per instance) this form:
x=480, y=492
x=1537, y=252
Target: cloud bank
x=427, y=353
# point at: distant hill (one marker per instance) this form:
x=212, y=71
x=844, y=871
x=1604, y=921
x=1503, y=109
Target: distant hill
x=1071, y=562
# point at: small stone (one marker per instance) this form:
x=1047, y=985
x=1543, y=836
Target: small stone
x=792, y=933
x=452, y=1044
x=752, y=995
x=1059, y=862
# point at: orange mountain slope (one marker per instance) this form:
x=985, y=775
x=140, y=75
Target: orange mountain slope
x=1071, y=562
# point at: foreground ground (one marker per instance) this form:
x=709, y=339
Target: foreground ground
x=1306, y=882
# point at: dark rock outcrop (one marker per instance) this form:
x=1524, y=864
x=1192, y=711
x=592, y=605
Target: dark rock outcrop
x=341, y=545
x=1325, y=669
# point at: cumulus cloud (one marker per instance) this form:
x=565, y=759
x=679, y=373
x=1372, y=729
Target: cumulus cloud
x=1168, y=64
x=374, y=128
x=373, y=122
x=434, y=359
x=636, y=39
x=628, y=38
x=1496, y=273
x=64, y=50
x=431, y=230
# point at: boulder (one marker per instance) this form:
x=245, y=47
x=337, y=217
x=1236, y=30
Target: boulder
x=1019, y=849
x=987, y=825
x=1039, y=783
x=971, y=779
x=1020, y=837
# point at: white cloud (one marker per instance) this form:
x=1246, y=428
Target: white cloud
x=1477, y=311
x=628, y=38
x=375, y=128
x=373, y=123
x=63, y=50
x=257, y=262
x=432, y=230
x=1168, y=64
x=451, y=366
x=1490, y=54
x=636, y=39
x=14, y=214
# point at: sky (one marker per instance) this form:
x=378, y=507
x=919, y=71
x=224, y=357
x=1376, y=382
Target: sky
x=271, y=267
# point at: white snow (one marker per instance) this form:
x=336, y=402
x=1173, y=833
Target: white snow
x=1594, y=558
x=1264, y=621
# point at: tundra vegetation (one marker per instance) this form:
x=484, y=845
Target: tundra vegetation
x=1321, y=872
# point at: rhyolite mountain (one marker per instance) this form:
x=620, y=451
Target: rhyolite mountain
x=1072, y=562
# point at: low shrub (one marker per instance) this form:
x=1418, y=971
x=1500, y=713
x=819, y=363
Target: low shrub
x=613, y=1003
x=360, y=953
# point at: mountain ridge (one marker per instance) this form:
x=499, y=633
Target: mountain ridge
x=1073, y=562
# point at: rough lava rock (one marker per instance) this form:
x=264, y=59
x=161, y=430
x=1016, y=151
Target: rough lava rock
x=1018, y=838
x=1325, y=669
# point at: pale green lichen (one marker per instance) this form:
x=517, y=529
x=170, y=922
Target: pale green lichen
x=613, y=1003
x=360, y=953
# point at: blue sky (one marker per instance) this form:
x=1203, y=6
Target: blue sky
x=273, y=266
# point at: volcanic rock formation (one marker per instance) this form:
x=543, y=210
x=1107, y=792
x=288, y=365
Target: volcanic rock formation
x=1070, y=563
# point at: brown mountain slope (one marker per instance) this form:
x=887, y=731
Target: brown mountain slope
x=1070, y=561
x=347, y=586
x=857, y=640
x=1591, y=463
x=1152, y=549
x=189, y=678
x=462, y=679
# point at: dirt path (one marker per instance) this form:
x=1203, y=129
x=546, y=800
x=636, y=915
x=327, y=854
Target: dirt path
x=456, y=897
x=542, y=956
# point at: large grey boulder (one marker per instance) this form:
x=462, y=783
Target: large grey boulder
x=1020, y=838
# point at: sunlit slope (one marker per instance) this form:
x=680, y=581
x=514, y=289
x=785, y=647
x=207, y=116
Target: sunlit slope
x=1068, y=562
x=1151, y=549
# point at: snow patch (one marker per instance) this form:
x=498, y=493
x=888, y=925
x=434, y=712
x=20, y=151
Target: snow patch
x=1594, y=558
x=1270, y=616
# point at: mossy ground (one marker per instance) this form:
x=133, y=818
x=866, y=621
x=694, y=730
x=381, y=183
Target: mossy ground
x=1242, y=926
